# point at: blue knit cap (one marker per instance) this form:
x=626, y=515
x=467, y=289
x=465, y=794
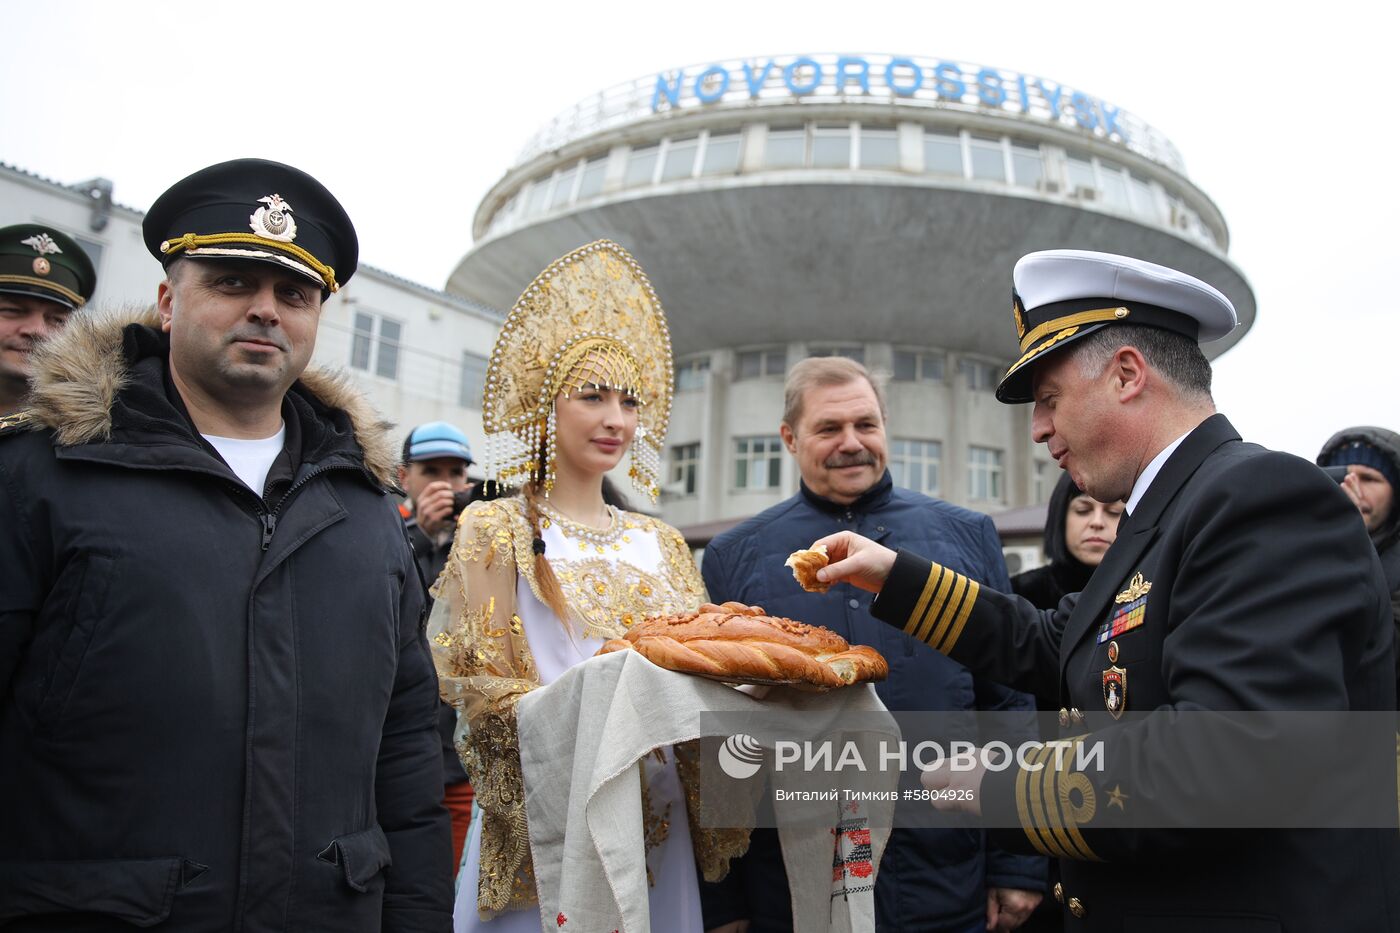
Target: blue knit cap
x=1364, y=454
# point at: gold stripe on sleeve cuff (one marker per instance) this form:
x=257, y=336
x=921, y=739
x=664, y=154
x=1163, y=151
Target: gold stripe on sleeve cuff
x=960, y=620
x=1025, y=779
x=915, y=622
x=1049, y=814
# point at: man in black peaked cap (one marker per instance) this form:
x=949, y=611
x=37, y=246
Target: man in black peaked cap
x=217, y=707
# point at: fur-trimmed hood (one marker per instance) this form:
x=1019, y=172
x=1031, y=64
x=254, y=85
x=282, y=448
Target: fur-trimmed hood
x=79, y=373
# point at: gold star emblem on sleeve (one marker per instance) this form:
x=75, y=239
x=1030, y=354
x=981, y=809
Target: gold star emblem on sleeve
x=1116, y=797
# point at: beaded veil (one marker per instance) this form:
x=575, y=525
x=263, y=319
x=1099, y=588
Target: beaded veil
x=592, y=317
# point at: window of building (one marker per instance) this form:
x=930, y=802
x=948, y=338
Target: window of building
x=1027, y=165
x=981, y=377
x=641, y=166
x=473, y=381
x=918, y=366
x=751, y=364
x=1081, y=176
x=988, y=159
x=374, y=347
x=1145, y=201
x=1113, y=184
x=984, y=474
x=943, y=153
x=685, y=464
x=721, y=154
x=757, y=462
x=1044, y=482
x=591, y=183
x=785, y=148
x=539, y=196
x=563, y=187
x=831, y=146
x=914, y=464
x=849, y=351
x=92, y=248
x=879, y=147
x=680, y=158
x=691, y=375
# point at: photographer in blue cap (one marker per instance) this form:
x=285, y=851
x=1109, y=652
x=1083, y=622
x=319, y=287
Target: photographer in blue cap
x=217, y=706
x=434, y=475
x=1240, y=580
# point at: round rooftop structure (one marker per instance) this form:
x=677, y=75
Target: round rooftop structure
x=868, y=197
x=868, y=206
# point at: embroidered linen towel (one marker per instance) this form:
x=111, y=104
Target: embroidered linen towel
x=581, y=738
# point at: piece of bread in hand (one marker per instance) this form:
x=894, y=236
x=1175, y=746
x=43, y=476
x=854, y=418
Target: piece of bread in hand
x=805, y=565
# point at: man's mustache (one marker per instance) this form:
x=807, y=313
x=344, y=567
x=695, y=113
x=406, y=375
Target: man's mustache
x=864, y=458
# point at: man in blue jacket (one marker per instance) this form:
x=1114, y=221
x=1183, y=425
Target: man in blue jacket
x=834, y=424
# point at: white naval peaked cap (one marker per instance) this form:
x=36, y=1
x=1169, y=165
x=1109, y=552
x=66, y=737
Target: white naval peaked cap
x=1063, y=295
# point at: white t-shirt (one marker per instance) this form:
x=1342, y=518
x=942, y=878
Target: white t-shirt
x=250, y=460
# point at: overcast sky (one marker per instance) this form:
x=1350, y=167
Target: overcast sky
x=410, y=111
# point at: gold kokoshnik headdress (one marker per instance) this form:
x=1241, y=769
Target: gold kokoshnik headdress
x=591, y=318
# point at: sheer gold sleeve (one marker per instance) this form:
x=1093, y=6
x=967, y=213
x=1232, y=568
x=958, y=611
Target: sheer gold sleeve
x=484, y=667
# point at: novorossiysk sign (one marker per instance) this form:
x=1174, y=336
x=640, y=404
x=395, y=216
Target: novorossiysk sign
x=897, y=77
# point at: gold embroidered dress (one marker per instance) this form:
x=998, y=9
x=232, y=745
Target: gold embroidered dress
x=494, y=640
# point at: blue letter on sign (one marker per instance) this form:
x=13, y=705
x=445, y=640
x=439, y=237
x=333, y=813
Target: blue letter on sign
x=756, y=83
x=1084, y=113
x=1110, y=120
x=903, y=90
x=989, y=89
x=862, y=69
x=800, y=90
x=722, y=85
x=1052, y=99
x=671, y=91
x=949, y=82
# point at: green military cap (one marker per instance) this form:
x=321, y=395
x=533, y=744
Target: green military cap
x=42, y=262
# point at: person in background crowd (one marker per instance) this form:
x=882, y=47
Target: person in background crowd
x=834, y=427
x=1240, y=581
x=217, y=703
x=1078, y=532
x=1372, y=458
x=433, y=472
x=45, y=275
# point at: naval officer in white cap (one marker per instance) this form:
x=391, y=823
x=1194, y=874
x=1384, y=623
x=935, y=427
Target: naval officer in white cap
x=1239, y=581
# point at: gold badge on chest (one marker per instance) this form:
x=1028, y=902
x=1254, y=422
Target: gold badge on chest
x=1137, y=588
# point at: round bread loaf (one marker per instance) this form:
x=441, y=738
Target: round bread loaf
x=738, y=642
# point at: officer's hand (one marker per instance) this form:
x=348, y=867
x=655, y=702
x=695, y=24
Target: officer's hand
x=855, y=560
x=961, y=786
x=434, y=507
x=738, y=926
x=1008, y=908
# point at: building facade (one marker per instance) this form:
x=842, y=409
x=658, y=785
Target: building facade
x=863, y=205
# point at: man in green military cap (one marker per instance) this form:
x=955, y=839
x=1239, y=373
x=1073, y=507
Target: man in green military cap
x=44, y=277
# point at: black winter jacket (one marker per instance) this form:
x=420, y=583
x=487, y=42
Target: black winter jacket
x=216, y=712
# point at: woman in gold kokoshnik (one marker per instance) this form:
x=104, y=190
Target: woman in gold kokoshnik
x=580, y=378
